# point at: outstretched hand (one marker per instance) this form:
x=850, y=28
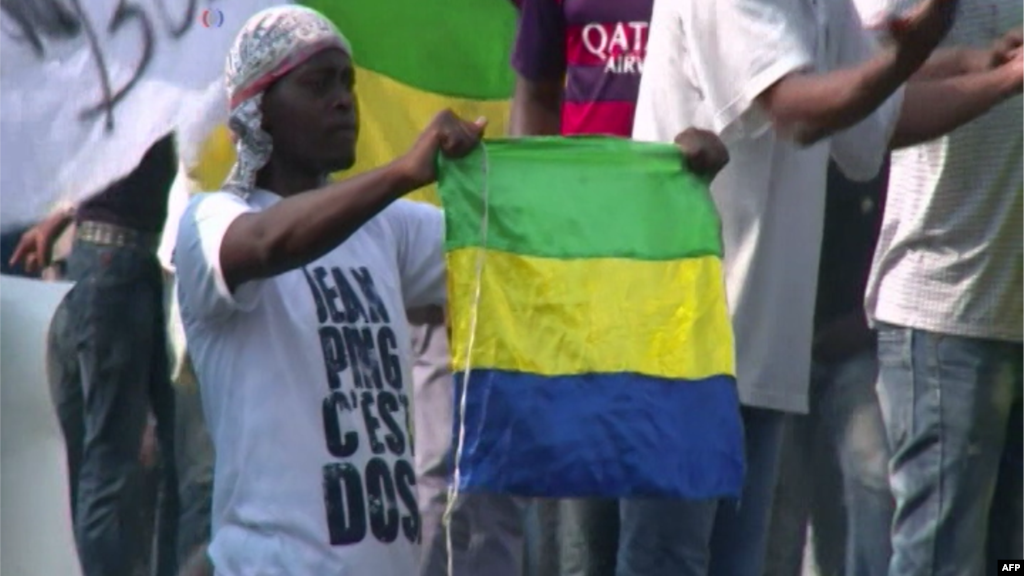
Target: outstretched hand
x=447, y=134
x=1014, y=67
x=703, y=152
x=919, y=31
x=35, y=249
x=1007, y=45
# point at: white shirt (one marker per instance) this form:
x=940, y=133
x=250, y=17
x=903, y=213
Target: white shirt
x=949, y=254
x=707, y=62
x=306, y=386
x=876, y=13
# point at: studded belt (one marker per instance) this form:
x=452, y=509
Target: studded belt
x=117, y=236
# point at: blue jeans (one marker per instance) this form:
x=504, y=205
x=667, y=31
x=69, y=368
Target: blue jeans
x=952, y=411
x=577, y=536
x=654, y=537
x=834, y=474
x=540, y=541
x=108, y=367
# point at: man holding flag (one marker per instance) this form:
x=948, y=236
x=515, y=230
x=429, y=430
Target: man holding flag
x=289, y=493
x=281, y=273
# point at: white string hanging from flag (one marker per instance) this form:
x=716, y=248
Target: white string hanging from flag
x=481, y=255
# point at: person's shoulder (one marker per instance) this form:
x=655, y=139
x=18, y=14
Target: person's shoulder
x=217, y=199
x=220, y=202
x=405, y=213
x=210, y=212
x=666, y=6
x=408, y=219
x=607, y=11
x=412, y=209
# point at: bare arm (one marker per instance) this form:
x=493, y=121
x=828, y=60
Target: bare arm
x=301, y=228
x=540, y=61
x=536, y=108
x=812, y=107
x=949, y=62
x=933, y=108
x=809, y=107
x=35, y=248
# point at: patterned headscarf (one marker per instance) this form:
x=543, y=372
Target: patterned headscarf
x=272, y=43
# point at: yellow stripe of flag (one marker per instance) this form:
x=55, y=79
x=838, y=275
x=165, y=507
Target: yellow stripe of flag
x=602, y=315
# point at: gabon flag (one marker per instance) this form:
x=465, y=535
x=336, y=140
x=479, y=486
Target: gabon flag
x=591, y=341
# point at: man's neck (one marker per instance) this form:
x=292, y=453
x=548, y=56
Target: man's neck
x=288, y=182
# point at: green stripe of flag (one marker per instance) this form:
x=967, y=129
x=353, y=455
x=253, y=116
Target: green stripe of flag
x=588, y=197
x=454, y=48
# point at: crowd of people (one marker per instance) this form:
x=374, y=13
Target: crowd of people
x=866, y=162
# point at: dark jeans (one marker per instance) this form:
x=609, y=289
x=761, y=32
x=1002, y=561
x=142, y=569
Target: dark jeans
x=834, y=476
x=650, y=537
x=108, y=368
x=952, y=411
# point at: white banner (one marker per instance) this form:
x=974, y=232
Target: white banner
x=88, y=85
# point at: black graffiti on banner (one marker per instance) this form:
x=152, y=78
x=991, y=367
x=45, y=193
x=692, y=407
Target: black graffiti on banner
x=36, y=20
x=39, y=22
x=179, y=29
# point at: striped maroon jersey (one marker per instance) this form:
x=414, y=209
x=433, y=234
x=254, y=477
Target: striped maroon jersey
x=597, y=47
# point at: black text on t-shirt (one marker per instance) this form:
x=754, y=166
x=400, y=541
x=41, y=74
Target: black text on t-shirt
x=366, y=411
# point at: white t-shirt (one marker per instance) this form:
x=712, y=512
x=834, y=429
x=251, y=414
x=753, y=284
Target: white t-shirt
x=707, y=62
x=875, y=13
x=306, y=386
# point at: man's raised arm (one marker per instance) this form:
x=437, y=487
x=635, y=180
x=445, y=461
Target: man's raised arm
x=932, y=108
x=808, y=106
x=301, y=228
